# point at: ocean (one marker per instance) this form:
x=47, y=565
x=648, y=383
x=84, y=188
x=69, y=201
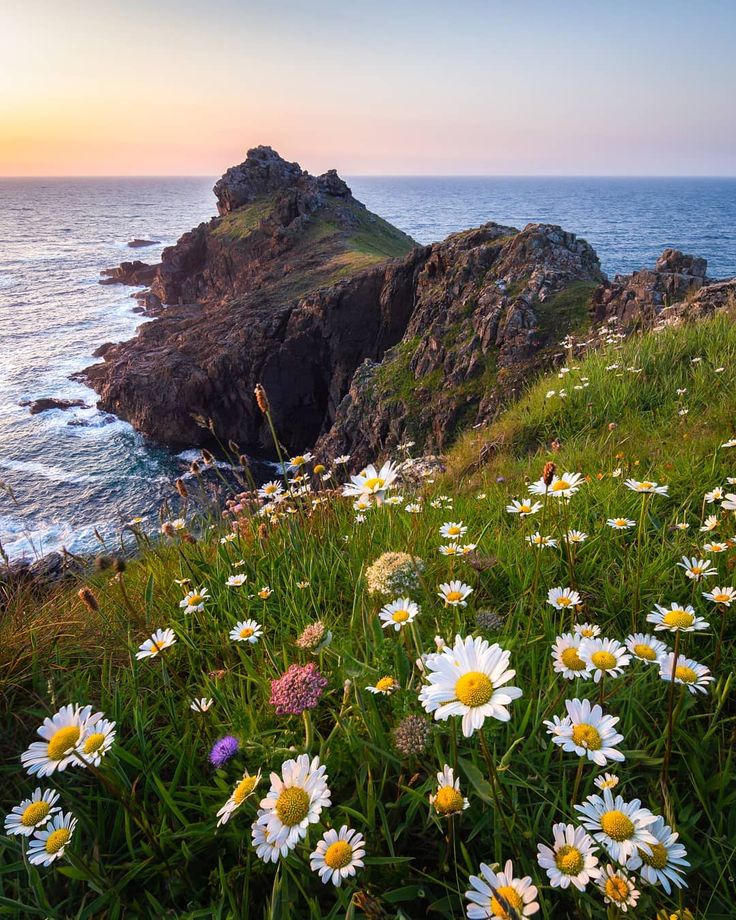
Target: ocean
x=65, y=474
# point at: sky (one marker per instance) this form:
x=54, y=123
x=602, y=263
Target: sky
x=371, y=87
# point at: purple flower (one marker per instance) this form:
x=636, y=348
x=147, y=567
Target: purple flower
x=223, y=749
x=299, y=689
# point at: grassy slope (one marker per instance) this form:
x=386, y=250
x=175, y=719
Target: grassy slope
x=162, y=746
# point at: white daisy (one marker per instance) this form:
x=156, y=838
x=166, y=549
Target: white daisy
x=235, y=581
x=398, y=613
x=709, y=524
x=385, y=686
x=246, y=631
x=452, y=530
x=32, y=813
x=523, y=508
x=729, y=502
x=413, y=508
x=621, y=523
x=448, y=800
x=451, y=549
x=536, y=539
x=338, y=855
x=96, y=741
x=62, y=736
x=372, y=481
x=607, y=781
x=263, y=841
x=619, y=826
x=718, y=547
x=561, y=486
x=491, y=894
x=194, y=601
x=265, y=592
x=691, y=674
x=617, y=888
x=645, y=647
x=453, y=593
x=676, y=618
x=665, y=863
x=50, y=843
x=244, y=789
x=566, y=657
x=295, y=800
x=715, y=495
x=724, y=595
x=161, y=639
x=575, y=536
x=604, y=657
x=467, y=680
x=587, y=732
x=563, y=598
x=697, y=569
x=646, y=487
x=296, y=463
x=571, y=860
x=586, y=630
x=203, y=704
x=269, y=490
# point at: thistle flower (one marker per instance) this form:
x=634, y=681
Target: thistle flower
x=411, y=736
x=223, y=750
x=300, y=688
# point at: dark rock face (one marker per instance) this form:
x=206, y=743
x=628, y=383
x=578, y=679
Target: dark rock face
x=135, y=272
x=263, y=171
x=638, y=298
x=139, y=244
x=49, y=402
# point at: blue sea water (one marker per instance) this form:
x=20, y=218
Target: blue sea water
x=64, y=474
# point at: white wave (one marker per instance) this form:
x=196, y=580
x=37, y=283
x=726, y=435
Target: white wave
x=45, y=471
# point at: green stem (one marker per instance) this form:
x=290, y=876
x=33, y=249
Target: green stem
x=670, y=713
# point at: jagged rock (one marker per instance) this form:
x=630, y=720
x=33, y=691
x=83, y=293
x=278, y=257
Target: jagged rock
x=638, y=298
x=262, y=172
x=718, y=295
x=135, y=272
x=50, y=402
x=139, y=244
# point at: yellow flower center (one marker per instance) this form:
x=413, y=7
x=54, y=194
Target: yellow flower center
x=292, y=806
x=246, y=632
x=338, y=854
x=453, y=531
x=385, y=684
x=448, y=800
x=453, y=596
x=93, y=743
x=620, y=522
x=298, y=461
x=62, y=741
x=572, y=660
x=646, y=485
x=35, y=812
x=400, y=616
x=697, y=569
x=586, y=632
x=645, y=651
x=269, y=490
x=264, y=592
x=617, y=889
x=616, y=825
x=564, y=601
x=156, y=647
x=685, y=674
x=586, y=736
x=510, y=897
x=525, y=509
x=569, y=860
x=374, y=483
x=603, y=660
x=244, y=788
x=319, y=468
x=658, y=859
x=560, y=485
x=474, y=689
x=721, y=597
x=194, y=599
x=56, y=840
x=679, y=619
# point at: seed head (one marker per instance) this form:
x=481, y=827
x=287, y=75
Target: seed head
x=548, y=473
x=411, y=736
x=262, y=399
x=188, y=538
x=87, y=597
x=181, y=488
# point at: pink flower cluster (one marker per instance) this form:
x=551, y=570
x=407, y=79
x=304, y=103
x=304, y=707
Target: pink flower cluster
x=298, y=689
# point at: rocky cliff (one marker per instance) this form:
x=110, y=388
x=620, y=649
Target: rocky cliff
x=360, y=337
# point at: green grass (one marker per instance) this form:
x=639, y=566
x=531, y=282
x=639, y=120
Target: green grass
x=53, y=651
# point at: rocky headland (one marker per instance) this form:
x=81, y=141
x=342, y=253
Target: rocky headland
x=360, y=336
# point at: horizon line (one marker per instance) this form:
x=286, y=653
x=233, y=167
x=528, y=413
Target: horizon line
x=387, y=176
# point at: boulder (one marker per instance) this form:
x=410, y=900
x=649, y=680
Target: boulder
x=50, y=402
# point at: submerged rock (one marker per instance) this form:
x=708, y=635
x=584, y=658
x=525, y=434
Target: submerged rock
x=47, y=403
x=139, y=244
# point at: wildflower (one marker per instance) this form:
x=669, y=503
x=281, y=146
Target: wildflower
x=298, y=689
x=32, y=813
x=271, y=490
x=385, y=685
x=604, y=657
x=372, y=481
x=730, y=443
x=646, y=487
x=523, y=508
x=715, y=495
x=411, y=736
x=563, y=598
x=50, y=843
x=235, y=581
x=487, y=619
x=586, y=630
x=666, y=861
x=294, y=801
x=682, y=525
x=194, y=601
x=203, y=704
x=715, y=547
x=263, y=843
x=223, y=750
x=571, y=860
x=302, y=584
x=697, y=569
x=95, y=743
x=676, y=618
x=729, y=502
x=228, y=538
x=452, y=530
x=453, y=593
x=619, y=826
x=645, y=647
x=393, y=573
x=709, y=524
x=467, y=680
x=337, y=855
x=560, y=486
x=296, y=463
x=566, y=657
x=398, y=613
x=451, y=549
x=607, y=781
x=448, y=799
x=242, y=791
x=587, y=732
x=575, y=536
x=492, y=893
x=621, y=523
x=536, y=539
x=246, y=631
x=617, y=888
x=63, y=735
x=725, y=596
x=161, y=639
x=694, y=676
x=341, y=460
x=413, y=508
x=265, y=592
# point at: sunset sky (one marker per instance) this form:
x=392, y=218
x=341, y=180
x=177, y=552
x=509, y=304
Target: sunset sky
x=102, y=87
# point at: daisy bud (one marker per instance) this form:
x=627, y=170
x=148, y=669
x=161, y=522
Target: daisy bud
x=262, y=399
x=548, y=473
x=89, y=600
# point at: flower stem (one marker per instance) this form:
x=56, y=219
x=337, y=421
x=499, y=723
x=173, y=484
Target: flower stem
x=670, y=713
